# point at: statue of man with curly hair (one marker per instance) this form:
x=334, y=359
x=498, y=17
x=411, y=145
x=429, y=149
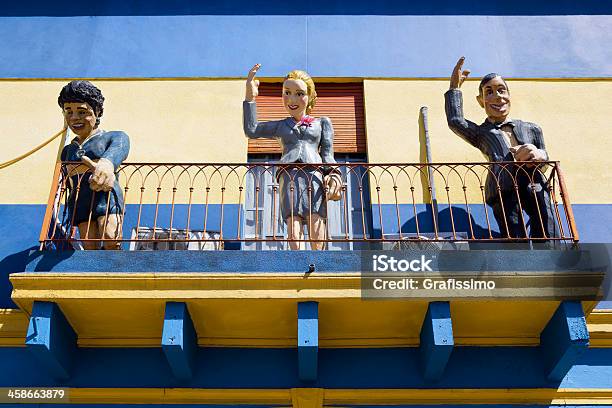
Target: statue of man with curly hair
x=95, y=201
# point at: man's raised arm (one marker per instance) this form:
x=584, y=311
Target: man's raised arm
x=454, y=106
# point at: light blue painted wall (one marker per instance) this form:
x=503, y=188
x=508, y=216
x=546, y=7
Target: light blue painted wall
x=326, y=46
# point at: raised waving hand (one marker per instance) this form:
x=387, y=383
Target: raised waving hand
x=459, y=75
x=252, y=84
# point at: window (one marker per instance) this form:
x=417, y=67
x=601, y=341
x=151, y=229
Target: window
x=348, y=218
x=341, y=102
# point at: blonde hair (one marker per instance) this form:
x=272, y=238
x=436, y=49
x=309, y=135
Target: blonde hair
x=310, y=87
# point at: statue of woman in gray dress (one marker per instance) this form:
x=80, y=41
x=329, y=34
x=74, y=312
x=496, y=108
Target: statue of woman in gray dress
x=303, y=139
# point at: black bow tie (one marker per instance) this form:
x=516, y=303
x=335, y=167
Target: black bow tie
x=502, y=124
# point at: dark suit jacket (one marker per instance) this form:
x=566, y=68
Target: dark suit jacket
x=489, y=139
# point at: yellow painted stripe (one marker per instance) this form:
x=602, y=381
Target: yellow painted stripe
x=13, y=327
x=249, y=342
x=297, y=397
x=110, y=282
x=599, y=324
x=470, y=396
x=600, y=316
x=147, y=342
x=12, y=342
x=289, y=342
x=256, y=303
x=601, y=342
x=151, y=281
x=178, y=396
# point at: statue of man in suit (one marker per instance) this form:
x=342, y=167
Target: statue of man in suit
x=509, y=188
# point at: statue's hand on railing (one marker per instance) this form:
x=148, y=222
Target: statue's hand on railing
x=103, y=174
x=333, y=184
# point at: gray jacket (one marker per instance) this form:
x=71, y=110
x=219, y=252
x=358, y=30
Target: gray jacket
x=489, y=139
x=305, y=144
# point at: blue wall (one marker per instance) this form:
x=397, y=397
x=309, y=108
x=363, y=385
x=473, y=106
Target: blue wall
x=328, y=46
x=592, y=220
x=468, y=367
x=309, y=7
x=19, y=229
x=198, y=217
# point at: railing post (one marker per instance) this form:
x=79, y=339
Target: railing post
x=567, y=204
x=50, y=205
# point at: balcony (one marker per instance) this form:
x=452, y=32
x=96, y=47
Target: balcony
x=210, y=239
x=190, y=206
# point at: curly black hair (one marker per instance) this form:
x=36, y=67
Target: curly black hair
x=83, y=91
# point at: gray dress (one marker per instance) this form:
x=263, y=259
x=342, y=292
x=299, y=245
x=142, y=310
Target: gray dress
x=301, y=187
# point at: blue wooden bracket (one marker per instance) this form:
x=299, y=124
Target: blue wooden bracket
x=308, y=340
x=436, y=340
x=179, y=340
x=564, y=339
x=51, y=338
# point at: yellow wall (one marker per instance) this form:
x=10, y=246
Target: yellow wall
x=167, y=121
x=200, y=121
x=574, y=115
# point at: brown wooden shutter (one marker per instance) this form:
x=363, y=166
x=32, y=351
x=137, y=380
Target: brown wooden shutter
x=341, y=102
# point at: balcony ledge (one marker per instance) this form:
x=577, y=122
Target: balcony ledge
x=249, y=298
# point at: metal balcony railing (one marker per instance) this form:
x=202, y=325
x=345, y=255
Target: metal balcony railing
x=238, y=206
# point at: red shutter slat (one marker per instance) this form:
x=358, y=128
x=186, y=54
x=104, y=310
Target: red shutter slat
x=341, y=102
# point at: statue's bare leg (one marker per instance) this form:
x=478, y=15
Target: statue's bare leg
x=317, y=231
x=294, y=231
x=109, y=230
x=89, y=230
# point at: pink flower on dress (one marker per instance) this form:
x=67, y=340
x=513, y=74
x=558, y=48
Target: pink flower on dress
x=306, y=121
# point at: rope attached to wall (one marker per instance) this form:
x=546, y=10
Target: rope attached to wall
x=34, y=150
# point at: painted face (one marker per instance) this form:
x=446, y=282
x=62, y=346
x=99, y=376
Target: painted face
x=80, y=117
x=495, y=99
x=295, y=97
